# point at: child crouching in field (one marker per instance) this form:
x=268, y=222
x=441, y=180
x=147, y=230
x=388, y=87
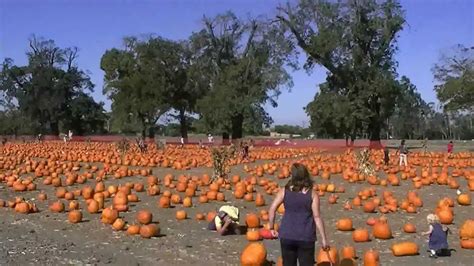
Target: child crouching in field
x=438, y=240
x=226, y=221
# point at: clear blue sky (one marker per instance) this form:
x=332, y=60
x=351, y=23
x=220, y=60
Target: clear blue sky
x=95, y=26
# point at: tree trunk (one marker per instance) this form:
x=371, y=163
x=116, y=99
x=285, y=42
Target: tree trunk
x=151, y=132
x=374, y=134
x=183, y=125
x=225, y=138
x=237, y=123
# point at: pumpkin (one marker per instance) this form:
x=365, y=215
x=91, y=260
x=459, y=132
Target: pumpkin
x=360, y=235
x=73, y=205
x=118, y=224
x=466, y=231
x=93, y=206
x=445, y=216
x=210, y=216
x=74, y=216
x=405, y=249
x=144, y=217
x=57, y=206
x=253, y=235
x=22, y=207
x=259, y=200
x=371, y=258
x=467, y=243
x=381, y=230
x=187, y=202
x=149, y=230
x=254, y=254
x=348, y=252
x=133, y=229
x=371, y=221
x=109, y=215
x=120, y=198
x=344, y=224
x=164, y=202
x=266, y=233
x=328, y=256
x=409, y=228
x=252, y=220
x=369, y=206
x=200, y=216
x=181, y=215
x=464, y=199
x=42, y=196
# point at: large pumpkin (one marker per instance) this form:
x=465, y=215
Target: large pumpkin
x=405, y=249
x=254, y=254
x=144, y=217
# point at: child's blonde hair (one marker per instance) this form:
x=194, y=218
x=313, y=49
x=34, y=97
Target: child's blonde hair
x=432, y=218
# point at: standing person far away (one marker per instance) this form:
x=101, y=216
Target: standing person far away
x=403, y=150
x=302, y=215
x=450, y=147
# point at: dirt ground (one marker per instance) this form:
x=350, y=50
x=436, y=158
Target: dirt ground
x=47, y=238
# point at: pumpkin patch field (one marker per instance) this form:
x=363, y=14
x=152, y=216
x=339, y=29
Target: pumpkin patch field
x=90, y=203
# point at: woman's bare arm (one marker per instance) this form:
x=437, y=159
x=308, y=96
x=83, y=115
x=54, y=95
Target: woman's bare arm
x=317, y=218
x=277, y=201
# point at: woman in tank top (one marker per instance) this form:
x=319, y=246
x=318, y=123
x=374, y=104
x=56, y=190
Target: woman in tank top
x=298, y=227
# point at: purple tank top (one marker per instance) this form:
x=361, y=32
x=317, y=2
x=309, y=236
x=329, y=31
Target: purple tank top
x=298, y=222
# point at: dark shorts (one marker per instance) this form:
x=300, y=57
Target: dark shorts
x=294, y=251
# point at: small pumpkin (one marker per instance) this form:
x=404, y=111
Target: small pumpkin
x=181, y=215
x=57, y=206
x=464, y=199
x=75, y=216
x=133, y=229
x=252, y=220
x=118, y=224
x=253, y=235
x=144, y=217
x=360, y=235
x=409, y=228
x=344, y=224
x=348, y=252
x=109, y=215
x=371, y=258
x=149, y=230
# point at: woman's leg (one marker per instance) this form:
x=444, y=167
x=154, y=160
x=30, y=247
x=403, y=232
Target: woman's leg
x=401, y=160
x=289, y=252
x=405, y=159
x=306, y=253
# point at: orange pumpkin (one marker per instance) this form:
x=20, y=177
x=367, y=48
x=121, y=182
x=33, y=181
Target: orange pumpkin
x=252, y=220
x=360, y=235
x=75, y=216
x=181, y=215
x=371, y=258
x=328, y=256
x=144, y=217
x=344, y=224
x=405, y=249
x=254, y=254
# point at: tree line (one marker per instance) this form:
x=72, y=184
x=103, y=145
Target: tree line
x=220, y=78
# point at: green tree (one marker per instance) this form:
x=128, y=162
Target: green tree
x=331, y=115
x=355, y=41
x=407, y=121
x=455, y=75
x=244, y=63
x=136, y=80
x=44, y=88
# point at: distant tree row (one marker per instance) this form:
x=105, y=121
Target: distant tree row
x=220, y=78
